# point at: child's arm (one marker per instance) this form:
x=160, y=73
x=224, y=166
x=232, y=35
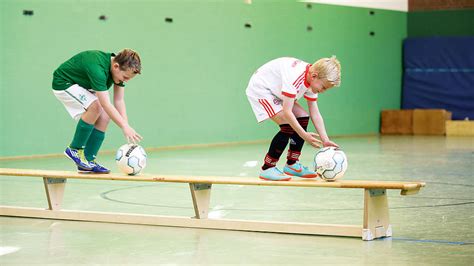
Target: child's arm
x=128, y=131
x=119, y=101
x=318, y=123
x=290, y=117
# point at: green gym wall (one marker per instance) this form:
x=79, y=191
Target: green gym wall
x=195, y=68
x=441, y=23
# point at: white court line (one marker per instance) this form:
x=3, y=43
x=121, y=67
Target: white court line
x=8, y=250
x=250, y=163
x=217, y=212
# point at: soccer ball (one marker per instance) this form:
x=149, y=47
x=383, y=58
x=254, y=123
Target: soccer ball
x=330, y=163
x=131, y=159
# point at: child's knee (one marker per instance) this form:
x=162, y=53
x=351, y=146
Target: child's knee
x=279, y=118
x=287, y=129
x=105, y=117
x=303, y=121
x=95, y=108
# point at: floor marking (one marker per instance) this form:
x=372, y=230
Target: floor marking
x=217, y=212
x=433, y=241
x=250, y=164
x=8, y=250
x=106, y=195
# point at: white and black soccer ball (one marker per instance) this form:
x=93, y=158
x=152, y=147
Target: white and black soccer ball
x=330, y=163
x=131, y=159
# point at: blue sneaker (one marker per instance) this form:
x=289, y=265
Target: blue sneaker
x=274, y=174
x=77, y=156
x=299, y=170
x=96, y=169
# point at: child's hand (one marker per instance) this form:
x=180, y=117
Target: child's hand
x=311, y=138
x=131, y=135
x=330, y=143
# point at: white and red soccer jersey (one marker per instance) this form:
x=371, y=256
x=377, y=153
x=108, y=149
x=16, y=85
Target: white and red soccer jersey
x=282, y=76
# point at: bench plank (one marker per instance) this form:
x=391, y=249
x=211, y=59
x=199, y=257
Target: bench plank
x=176, y=221
x=407, y=186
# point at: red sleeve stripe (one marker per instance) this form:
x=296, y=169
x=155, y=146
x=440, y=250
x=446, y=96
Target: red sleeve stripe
x=300, y=78
x=268, y=108
x=288, y=94
x=298, y=84
x=310, y=99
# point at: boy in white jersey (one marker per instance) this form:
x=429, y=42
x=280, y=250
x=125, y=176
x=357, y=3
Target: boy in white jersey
x=273, y=92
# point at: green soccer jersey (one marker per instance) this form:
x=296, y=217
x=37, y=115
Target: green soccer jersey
x=88, y=69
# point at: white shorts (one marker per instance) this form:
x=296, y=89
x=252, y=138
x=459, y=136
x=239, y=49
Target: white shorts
x=75, y=99
x=264, y=104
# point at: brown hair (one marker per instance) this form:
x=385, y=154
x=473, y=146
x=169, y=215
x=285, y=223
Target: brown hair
x=129, y=59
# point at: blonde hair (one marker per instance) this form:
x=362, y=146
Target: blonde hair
x=129, y=59
x=328, y=69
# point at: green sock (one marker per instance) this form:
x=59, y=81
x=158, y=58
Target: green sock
x=93, y=144
x=83, y=131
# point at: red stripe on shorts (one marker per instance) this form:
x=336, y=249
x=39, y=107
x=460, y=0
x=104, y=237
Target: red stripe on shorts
x=264, y=106
x=268, y=108
x=271, y=108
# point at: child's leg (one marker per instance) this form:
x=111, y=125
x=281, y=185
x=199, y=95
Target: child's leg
x=93, y=144
x=293, y=167
x=85, y=126
x=277, y=146
x=296, y=142
x=83, y=106
x=264, y=106
x=97, y=137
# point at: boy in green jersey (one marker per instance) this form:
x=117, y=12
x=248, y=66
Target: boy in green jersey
x=81, y=84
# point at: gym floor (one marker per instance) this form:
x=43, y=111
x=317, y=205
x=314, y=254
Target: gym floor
x=435, y=226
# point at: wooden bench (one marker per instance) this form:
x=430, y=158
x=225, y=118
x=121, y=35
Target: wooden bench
x=375, y=223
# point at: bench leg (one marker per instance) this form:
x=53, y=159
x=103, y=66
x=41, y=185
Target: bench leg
x=201, y=194
x=54, y=192
x=376, y=217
